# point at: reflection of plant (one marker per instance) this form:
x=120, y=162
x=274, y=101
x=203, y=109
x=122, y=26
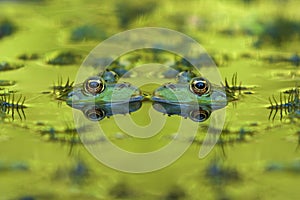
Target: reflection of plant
x=65, y=58
x=10, y=106
x=175, y=193
x=292, y=167
x=293, y=59
x=24, y=56
x=286, y=105
x=278, y=31
x=121, y=190
x=6, y=66
x=77, y=173
x=6, y=28
x=87, y=32
x=127, y=11
x=219, y=176
x=6, y=83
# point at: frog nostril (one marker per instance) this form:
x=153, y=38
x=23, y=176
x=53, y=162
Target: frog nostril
x=73, y=96
x=123, y=85
x=70, y=94
x=156, y=94
x=171, y=86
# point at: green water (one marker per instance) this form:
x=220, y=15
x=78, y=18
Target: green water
x=34, y=166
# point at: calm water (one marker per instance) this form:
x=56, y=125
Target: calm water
x=258, y=158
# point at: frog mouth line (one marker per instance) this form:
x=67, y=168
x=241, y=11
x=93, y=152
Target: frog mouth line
x=158, y=98
x=74, y=100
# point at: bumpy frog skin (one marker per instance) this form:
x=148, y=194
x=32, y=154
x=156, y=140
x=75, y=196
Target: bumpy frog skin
x=103, y=89
x=190, y=89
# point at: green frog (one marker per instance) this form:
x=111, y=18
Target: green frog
x=102, y=89
x=189, y=89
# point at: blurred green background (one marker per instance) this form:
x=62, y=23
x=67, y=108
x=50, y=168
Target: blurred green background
x=42, y=157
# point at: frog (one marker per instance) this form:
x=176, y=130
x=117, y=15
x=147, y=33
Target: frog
x=103, y=88
x=190, y=88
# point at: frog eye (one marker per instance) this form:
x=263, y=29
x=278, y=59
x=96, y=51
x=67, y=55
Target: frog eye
x=94, y=114
x=199, y=115
x=94, y=85
x=185, y=76
x=199, y=86
x=109, y=76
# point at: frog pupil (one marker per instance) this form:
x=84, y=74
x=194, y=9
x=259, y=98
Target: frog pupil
x=94, y=84
x=201, y=116
x=94, y=116
x=200, y=85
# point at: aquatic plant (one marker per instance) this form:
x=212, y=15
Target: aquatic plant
x=293, y=167
x=65, y=58
x=33, y=56
x=79, y=172
x=294, y=59
x=289, y=104
x=235, y=89
x=128, y=11
x=6, y=28
x=217, y=173
x=6, y=66
x=228, y=136
x=7, y=83
x=221, y=59
x=87, y=32
x=278, y=31
x=66, y=135
x=8, y=104
x=175, y=193
x=60, y=90
x=13, y=166
x=121, y=190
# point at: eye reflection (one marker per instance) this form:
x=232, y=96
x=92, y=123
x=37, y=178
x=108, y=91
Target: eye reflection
x=97, y=112
x=94, y=114
x=94, y=85
x=199, y=86
x=199, y=115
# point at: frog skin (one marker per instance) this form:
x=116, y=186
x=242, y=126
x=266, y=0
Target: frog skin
x=191, y=89
x=103, y=89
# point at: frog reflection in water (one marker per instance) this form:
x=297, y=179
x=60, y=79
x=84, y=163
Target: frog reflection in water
x=103, y=89
x=197, y=113
x=97, y=112
x=190, y=89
